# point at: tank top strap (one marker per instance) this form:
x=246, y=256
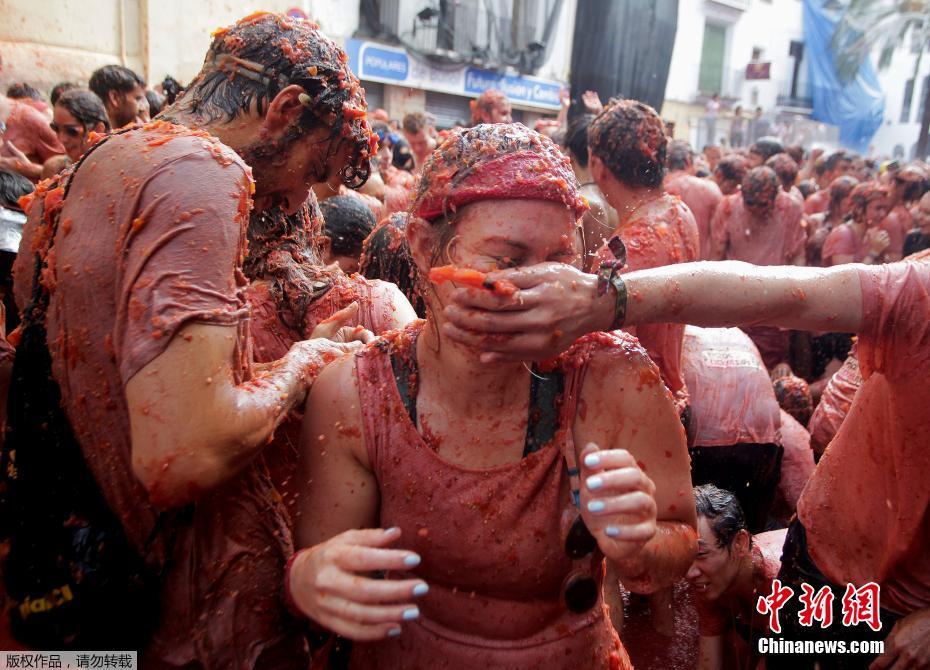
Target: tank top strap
x=571, y=397
x=383, y=412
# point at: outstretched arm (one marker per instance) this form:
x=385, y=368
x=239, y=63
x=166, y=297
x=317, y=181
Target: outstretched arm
x=556, y=303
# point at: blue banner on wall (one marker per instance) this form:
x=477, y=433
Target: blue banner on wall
x=393, y=65
x=858, y=107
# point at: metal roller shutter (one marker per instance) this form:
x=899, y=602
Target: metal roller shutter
x=374, y=94
x=447, y=110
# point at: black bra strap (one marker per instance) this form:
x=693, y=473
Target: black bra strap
x=545, y=393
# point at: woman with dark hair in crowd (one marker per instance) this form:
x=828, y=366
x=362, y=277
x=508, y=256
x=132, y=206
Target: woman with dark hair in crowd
x=77, y=114
x=346, y=224
x=860, y=239
x=386, y=256
x=506, y=485
x=820, y=225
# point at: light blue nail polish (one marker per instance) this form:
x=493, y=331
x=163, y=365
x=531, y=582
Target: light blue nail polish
x=594, y=482
x=411, y=614
x=420, y=590
x=394, y=632
x=412, y=561
x=596, y=506
x=612, y=531
x=592, y=460
x=392, y=529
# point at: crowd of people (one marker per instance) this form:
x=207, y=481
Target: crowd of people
x=289, y=383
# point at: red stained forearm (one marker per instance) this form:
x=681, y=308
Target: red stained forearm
x=731, y=293
x=663, y=561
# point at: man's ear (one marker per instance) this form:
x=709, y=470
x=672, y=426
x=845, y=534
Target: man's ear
x=113, y=99
x=599, y=171
x=285, y=108
x=742, y=542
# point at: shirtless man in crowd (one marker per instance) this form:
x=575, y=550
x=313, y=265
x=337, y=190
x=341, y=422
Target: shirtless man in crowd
x=421, y=136
x=492, y=106
x=761, y=225
x=700, y=195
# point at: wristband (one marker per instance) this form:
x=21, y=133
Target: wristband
x=619, y=302
x=609, y=276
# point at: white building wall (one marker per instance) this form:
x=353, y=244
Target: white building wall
x=69, y=39
x=893, y=133
x=767, y=25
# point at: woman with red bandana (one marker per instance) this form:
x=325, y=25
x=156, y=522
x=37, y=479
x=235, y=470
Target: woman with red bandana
x=863, y=515
x=504, y=487
x=860, y=240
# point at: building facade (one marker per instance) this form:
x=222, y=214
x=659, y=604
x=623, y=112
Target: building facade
x=426, y=54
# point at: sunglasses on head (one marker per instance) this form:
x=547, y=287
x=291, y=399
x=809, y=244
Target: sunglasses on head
x=69, y=129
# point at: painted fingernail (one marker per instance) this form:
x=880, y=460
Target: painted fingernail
x=592, y=460
x=392, y=530
x=594, y=482
x=596, y=506
x=411, y=614
x=612, y=531
x=394, y=632
x=412, y=560
x=420, y=590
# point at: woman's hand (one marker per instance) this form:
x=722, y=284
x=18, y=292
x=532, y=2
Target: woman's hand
x=877, y=240
x=329, y=583
x=556, y=304
x=592, y=102
x=617, y=501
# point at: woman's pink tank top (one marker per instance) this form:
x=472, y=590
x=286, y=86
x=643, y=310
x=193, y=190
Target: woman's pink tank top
x=492, y=543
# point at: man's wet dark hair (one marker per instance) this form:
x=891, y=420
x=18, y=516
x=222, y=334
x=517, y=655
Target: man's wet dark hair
x=785, y=167
x=766, y=147
x=807, y=187
x=84, y=106
x=414, y=122
x=722, y=511
x=113, y=78
x=252, y=61
x=576, y=138
x=156, y=102
x=732, y=168
x=347, y=221
x=172, y=88
x=796, y=152
x=22, y=90
x=60, y=88
x=13, y=186
x=402, y=156
x=679, y=155
x=386, y=256
x=831, y=161
x=629, y=137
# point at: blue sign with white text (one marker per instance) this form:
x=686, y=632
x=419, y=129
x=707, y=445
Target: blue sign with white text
x=384, y=63
x=521, y=89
